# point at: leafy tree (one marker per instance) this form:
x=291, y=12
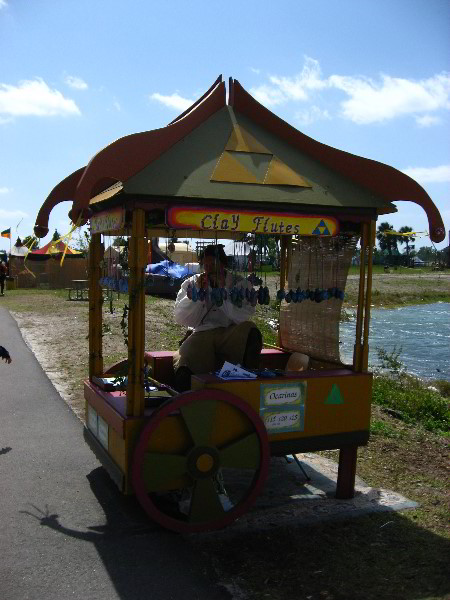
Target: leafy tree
x=31, y=241
x=387, y=243
x=81, y=241
x=406, y=239
x=56, y=236
x=427, y=254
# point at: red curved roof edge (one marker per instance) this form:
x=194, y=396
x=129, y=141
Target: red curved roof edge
x=124, y=158
x=65, y=190
x=383, y=180
x=197, y=102
x=127, y=156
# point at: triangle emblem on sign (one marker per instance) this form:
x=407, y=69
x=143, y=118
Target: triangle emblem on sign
x=321, y=229
x=335, y=396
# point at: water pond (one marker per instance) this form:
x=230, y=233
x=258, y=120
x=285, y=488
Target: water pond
x=422, y=331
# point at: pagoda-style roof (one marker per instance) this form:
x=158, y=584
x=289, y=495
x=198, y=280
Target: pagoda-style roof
x=240, y=152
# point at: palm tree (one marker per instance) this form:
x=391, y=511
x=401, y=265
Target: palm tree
x=387, y=242
x=405, y=239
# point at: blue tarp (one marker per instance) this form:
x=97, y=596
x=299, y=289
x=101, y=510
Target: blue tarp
x=169, y=268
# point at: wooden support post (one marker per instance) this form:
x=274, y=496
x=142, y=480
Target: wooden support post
x=365, y=348
x=345, y=487
x=283, y=261
x=284, y=248
x=357, y=349
x=136, y=315
x=96, y=252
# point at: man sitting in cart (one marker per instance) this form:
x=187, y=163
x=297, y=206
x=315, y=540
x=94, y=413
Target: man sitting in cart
x=219, y=333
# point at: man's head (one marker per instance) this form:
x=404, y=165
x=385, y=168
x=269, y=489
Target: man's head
x=213, y=258
x=215, y=251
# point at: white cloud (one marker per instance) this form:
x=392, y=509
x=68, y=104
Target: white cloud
x=427, y=120
x=296, y=88
x=3, y=4
x=370, y=102
x=256, y=71
x=310, y=115
x=439, y=174
x=34, y=98
x=174, y=101
x=117, y=106
x=4, y=190
x=75, y=82
x=12, y=214
x=268, y=95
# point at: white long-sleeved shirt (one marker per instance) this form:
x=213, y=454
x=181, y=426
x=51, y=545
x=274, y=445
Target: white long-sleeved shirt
x=203, y=315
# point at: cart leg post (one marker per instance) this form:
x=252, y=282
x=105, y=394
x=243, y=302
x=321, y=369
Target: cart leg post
x=345, y=487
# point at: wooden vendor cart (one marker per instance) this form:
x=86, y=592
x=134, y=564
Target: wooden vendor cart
x=197, y=460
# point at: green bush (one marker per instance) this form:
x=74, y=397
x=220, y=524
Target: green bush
x=413, y=400
x=416, y=401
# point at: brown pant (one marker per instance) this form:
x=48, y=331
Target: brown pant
x=206, y=351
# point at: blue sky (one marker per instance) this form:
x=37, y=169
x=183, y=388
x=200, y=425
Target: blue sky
x=371, y=77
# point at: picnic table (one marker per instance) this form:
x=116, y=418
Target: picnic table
x=79, y=290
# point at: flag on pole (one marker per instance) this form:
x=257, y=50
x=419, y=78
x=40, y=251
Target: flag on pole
x=6, y=233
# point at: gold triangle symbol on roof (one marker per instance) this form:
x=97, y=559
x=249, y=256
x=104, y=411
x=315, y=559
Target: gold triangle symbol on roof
x=242, y=141
x=279, y=173
x=230, y=170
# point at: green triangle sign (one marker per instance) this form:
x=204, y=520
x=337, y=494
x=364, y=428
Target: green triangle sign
x=335, y=396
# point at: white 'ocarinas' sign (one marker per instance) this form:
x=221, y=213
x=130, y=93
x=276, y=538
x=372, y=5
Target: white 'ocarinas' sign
x=282, y=406
x=180, y=217
x=108, y=221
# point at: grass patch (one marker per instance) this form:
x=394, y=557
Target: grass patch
x=413, y=401
x=408, y=397
x=378, y=427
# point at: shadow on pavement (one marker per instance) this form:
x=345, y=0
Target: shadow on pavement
x=141, y=559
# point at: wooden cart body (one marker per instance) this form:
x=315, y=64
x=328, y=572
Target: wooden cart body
x=221, y=170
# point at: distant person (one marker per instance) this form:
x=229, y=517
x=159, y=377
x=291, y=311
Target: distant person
x=219, y=333
x=4, y=355
x=3, y=272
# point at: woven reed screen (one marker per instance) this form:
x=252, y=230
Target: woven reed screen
x=313, y=327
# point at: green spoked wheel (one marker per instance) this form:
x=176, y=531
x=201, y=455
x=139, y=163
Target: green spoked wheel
x=201, y=461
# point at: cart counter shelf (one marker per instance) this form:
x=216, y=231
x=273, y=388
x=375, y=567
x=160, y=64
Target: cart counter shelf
x=298, y=412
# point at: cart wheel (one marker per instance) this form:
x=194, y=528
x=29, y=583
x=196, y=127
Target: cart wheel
x=200, y=461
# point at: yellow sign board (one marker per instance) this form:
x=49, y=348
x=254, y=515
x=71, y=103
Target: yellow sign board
x=108, y=221
x=218, y=220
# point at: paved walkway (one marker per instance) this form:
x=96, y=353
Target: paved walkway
x=65, y=530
